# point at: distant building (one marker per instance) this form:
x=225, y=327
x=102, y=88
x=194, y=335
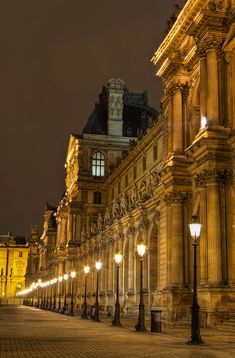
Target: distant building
x=13, y=264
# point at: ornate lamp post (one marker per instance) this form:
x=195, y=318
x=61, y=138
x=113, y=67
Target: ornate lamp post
x=140, y=326
x=51, y=295
x=59, y=288
x=55, y=289
x=98, y=266
x=38, y=289
x=43, y=295
x=65, y=294
x=73, y=274
x=116, y=320
x=84, y=310
x=47, y=294
x=195, y=229
x=32, y=290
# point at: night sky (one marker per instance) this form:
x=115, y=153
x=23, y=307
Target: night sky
x=55, y=57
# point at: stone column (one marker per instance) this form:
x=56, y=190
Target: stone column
x=110, y=267
x=212, y=87
x=70, y=227
x=170, y=123
x=214, y=235
x=230, y=198
x=203, y=85
x=177, y=119
x=177, y=263
x=202, y=243
x=131, y=265
x=177, y=245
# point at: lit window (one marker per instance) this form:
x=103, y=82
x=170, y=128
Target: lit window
x=98, y=164
x=97, y=197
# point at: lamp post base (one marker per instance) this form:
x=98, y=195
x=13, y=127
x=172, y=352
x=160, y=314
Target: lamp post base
x=116, y=321
x=96, y=313
x=84, y=312
x=140, y=326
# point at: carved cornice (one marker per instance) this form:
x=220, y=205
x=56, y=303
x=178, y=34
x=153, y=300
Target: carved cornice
x=213, y=176
x=177, y=32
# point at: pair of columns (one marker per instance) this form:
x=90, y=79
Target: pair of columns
x=209, y=99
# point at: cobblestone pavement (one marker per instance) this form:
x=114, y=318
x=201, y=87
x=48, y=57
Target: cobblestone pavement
x=29, y=332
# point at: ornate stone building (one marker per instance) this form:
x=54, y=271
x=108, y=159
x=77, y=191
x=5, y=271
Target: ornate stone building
x=13, y=264
x=120, y=190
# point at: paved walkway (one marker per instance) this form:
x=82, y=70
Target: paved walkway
x=29, y=332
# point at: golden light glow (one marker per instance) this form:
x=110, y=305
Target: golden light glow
x=118, y=258
x=203, y=122
x=66, y=276
x=98, y=265
x=86, y=269
x=60, y=278
x=73, y=274
x=141, y=248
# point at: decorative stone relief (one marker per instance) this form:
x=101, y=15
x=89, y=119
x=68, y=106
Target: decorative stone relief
x=134, y=197
x=123, y=204
x=107, y=217
x=99, y=223
x=115, y=209
x=143, y=221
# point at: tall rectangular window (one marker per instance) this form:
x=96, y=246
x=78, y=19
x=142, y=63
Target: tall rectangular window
x=97, y=197
x=98, y=164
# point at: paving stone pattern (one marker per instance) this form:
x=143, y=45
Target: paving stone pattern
x=29, y=332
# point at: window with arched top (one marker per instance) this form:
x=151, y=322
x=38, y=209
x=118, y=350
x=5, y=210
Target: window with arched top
x=98, y=164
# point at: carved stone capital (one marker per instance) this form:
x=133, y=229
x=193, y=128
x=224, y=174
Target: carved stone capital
x=214, y=175
x=177, y=197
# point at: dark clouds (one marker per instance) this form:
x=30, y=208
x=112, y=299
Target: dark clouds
x=55, y=57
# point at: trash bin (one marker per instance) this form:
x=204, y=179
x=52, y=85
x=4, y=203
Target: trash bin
x=92, y=312
x=156, y=321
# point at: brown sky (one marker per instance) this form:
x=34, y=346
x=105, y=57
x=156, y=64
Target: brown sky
x=55, y=57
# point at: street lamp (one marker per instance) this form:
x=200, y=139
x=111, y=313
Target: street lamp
x=195, y=229
x=98, y=266
x=38, y=288
x=116, y=320
x=51, y=294
x=65, y=294
x=140, y=326
x=84, y=310
x=73, y=274
x=47, y=293
x=32, y=290
x=59, y=288
x=55, y=289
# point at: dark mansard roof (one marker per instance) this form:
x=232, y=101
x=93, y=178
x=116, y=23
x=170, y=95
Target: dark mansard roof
x=136, y=112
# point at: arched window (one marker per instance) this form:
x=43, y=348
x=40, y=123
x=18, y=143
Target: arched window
x=98, y=164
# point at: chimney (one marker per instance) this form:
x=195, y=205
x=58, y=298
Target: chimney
x=115, y=106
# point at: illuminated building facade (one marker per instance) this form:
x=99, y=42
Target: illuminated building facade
x=13, y=264
x=121, y=191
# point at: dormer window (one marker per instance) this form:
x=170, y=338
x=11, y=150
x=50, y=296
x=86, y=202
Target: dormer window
x=98, y=164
